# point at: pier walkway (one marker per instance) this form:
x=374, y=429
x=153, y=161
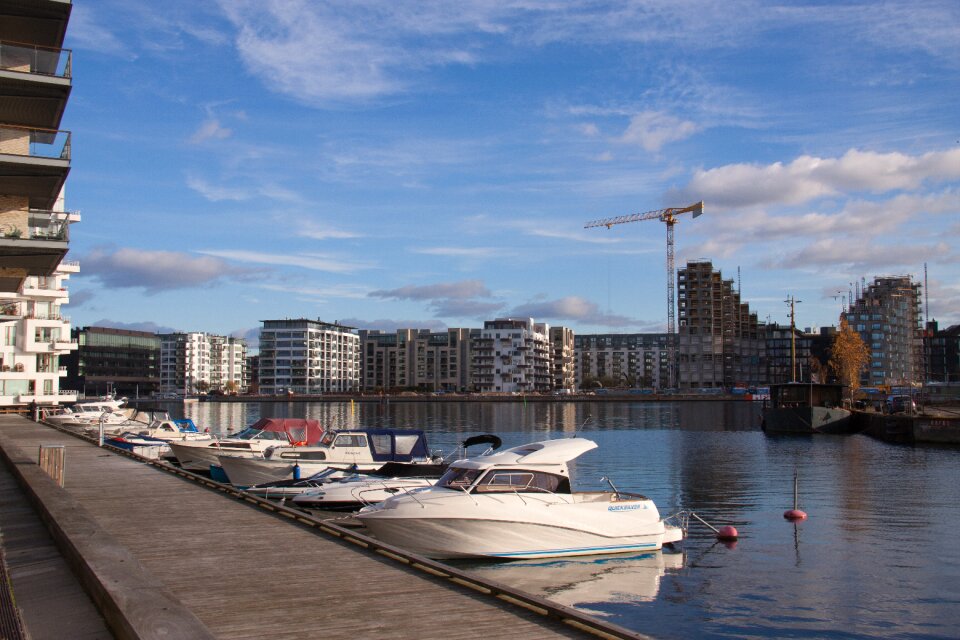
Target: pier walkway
x=164, y=556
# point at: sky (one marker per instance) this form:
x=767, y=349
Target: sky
x=432, y=164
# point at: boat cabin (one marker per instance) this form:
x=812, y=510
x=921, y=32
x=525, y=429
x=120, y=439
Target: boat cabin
x=801, y=394
x=498, y=480
x=370, y=445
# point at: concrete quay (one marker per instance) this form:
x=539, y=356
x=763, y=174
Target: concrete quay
x=158, y=553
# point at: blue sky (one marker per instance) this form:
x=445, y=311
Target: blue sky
x=432, y=164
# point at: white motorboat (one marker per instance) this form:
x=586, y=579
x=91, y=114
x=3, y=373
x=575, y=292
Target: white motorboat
x=354, y=450
x=87, y=413
x=518, y=503
x=390, y=475
x=199, y=455
x=355, y=491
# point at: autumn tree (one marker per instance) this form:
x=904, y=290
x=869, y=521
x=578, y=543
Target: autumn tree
x=849, y=356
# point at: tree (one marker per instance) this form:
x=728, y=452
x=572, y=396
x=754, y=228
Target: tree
x=849, y=356
x=202, y=386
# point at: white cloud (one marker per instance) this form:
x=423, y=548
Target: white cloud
x=808, y=178
x=573, y=308
x=313, y=261
x=210, y=129
x=459, y=290
x=653, y=129
x=154, y=271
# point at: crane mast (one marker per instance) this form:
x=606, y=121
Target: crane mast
x=669, y=218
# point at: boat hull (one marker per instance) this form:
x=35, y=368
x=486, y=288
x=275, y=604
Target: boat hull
x=807, y=420
x=249, y=471
x=446, y=525
x=450, y=538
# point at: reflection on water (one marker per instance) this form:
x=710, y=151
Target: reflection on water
x=583, y=582
x=876, y=558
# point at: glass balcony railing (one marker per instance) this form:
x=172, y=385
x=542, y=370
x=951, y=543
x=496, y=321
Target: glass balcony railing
x=34, y=143
x=28, y=58
x=35, y=224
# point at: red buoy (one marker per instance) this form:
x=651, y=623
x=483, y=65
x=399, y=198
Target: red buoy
x=794, y=514
x=727, y=533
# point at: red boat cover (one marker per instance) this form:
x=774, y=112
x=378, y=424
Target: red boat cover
x=298, y=430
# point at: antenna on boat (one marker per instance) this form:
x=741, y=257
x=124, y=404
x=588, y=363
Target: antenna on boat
x=582, y=425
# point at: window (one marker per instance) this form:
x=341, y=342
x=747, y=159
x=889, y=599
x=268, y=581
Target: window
x=456, y=478
x=347, y=440
x=510, y=480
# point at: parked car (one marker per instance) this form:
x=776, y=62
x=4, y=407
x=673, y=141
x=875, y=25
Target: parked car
x=901, y=404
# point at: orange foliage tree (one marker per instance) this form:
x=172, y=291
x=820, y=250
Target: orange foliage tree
x=849, y=356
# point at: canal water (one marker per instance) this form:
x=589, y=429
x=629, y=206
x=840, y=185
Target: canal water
x=877, y=557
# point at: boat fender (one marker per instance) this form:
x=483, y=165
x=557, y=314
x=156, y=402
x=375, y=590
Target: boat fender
x=296, y=471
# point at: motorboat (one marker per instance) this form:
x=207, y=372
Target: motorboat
x=806, y=408
x=199, y=455
x=349, y=450
x=518, y=503
x=336, y=489
x=107, y=411
x=356, y=491
x=140, y=444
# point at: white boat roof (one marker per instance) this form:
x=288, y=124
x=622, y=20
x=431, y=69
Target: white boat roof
x=545, y=452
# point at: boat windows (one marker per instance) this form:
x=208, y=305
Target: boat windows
x=510, y=480
x=458, y=478
x=345, y=440
x=303, y=455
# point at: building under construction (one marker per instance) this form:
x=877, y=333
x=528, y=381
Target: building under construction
x=888, y=317
x=720, y=344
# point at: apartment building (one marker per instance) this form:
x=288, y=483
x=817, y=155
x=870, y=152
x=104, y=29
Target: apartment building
x=308, y=357
x=888, y=317
x=228, y=364
x=563, y=367
x=416, y=359
x=114, y=362
x=35, y=84
x=512, y=355
x=720, y=343
x=943, y=353
x=199, y=362
x=637, y=360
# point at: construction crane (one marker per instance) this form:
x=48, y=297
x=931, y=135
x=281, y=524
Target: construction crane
x=669, y=217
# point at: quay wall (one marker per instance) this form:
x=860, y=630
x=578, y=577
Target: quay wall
x=908, y=429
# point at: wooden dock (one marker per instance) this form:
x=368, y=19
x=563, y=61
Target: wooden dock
x=167, y=555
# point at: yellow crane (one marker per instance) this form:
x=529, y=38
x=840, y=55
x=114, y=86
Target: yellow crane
x=669, y=217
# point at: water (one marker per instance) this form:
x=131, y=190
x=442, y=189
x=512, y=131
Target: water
x=877, y=557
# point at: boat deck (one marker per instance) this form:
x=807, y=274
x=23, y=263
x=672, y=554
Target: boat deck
x=166, y=556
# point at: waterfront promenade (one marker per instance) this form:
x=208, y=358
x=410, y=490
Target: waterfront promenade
x=166, y=557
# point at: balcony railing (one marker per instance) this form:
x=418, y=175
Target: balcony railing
x=40, y=225
x=28, y=58
x=34, y=143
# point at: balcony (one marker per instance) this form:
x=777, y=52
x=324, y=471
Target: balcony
x=34, y=164
x=35, y=83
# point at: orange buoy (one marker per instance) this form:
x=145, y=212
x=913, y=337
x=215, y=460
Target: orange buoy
x=794, y=514
x=727, y=533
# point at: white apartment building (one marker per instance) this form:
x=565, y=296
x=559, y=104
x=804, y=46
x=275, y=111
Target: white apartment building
x=228, y=363
x=513, y=355
x=33, y=336
x=199, y=362
x=35, y=84
x=308, y=357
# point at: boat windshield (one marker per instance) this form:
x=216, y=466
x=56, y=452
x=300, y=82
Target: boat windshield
x=250, y=433
x=458, y=478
